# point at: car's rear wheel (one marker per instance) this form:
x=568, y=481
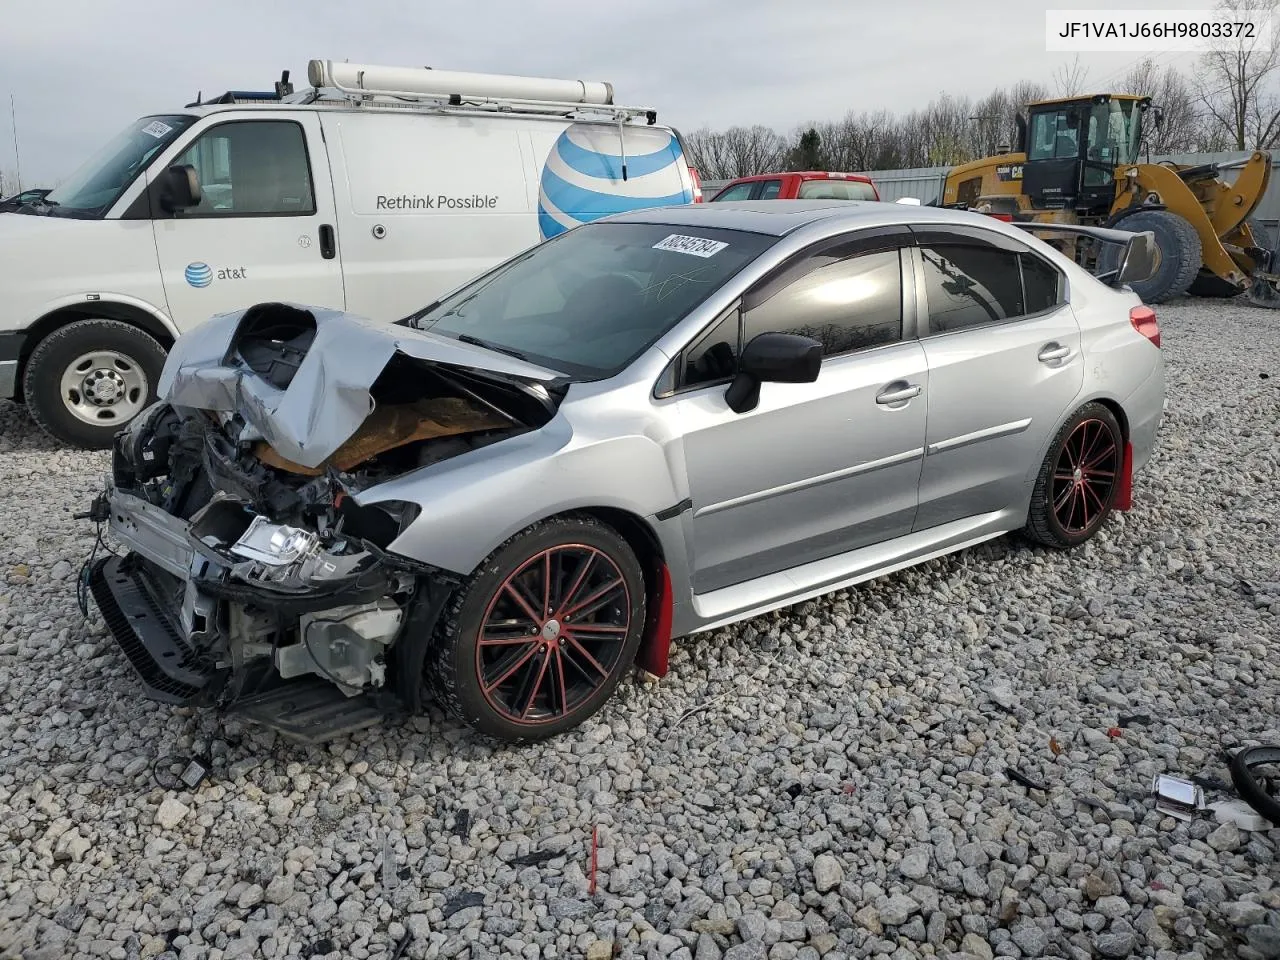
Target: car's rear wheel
x=537, y=639
x=1077, y=484
x=87, y=380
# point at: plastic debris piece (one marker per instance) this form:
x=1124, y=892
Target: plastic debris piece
x=390, y=879
x=1239, y=813
x=1054, y=746
x=535, y=859
x=468, y=898
x=462, y=823
x=1019, y=777
x=595, y=845
x=1115, y=733
x=1177, y=797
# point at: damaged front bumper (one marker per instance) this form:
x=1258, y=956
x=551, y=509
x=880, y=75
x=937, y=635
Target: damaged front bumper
x=269, y=620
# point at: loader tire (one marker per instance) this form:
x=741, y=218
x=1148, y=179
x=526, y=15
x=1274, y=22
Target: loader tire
x=1180, y=254
x=1209, y=284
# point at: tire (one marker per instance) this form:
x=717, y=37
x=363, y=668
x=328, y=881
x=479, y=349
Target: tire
x=1180, y=254
x=120, y=361
x=1069, y=507
x=1249, y=786
x=572, y=671
x=1207, y=284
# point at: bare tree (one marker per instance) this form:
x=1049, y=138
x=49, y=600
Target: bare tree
x=1069, y=79
x=1234, y=81
x=1179, y=129
x=8, y=182
x=736, y=152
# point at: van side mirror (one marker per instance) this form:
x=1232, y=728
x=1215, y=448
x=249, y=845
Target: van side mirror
x=179, y=188
x=772, y=358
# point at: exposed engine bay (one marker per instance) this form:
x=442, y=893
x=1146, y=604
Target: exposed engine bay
x=251, y=567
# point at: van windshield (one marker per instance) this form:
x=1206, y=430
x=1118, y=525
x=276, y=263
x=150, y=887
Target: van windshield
x=90, y=191
x=590, y=301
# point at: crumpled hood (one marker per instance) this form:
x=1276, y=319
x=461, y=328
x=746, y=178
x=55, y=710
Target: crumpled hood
x=328, y=397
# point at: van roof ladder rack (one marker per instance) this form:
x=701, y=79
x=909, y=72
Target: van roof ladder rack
x=361, y=83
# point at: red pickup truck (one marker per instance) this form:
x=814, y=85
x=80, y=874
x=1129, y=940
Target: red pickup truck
x=803, y=185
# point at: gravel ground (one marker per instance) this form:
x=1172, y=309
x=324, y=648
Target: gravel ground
x=827, y=781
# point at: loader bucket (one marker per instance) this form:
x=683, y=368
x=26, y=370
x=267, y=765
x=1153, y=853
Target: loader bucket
x=1264, y=290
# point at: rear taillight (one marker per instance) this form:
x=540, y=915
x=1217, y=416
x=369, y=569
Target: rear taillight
x=1006, y=217
x=697, y=185
x=1144, y=321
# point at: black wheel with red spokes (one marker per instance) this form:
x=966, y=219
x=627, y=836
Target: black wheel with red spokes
x=536, y=641
x=1077, y=484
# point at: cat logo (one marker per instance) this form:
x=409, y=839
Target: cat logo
x=1009, y=171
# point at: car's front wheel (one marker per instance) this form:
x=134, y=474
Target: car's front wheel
x=1078, y=481
x=537, y=639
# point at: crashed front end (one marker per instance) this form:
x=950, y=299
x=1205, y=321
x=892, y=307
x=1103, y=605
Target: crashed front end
x=253, y=579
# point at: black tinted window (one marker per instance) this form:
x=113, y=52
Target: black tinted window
x=252, y=167
x=1040, y=282
x=969, y=286
x=848, y=305
x=770, y=189
x=713, y=357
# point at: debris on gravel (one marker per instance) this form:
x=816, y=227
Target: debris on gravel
x=843, y=790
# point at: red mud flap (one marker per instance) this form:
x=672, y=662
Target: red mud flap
x=1124, y=489
x=655, y=645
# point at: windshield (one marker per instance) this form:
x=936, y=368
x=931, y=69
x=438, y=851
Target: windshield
x=1113, y=132
x=91, y=190
x=590, y=301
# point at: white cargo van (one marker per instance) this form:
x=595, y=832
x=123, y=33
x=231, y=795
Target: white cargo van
x=376, y=191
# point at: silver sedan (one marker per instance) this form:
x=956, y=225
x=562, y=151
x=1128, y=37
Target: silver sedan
x=651, y=426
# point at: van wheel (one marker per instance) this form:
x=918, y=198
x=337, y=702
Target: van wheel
x=87, y=380
x=536, y=640
x=1077, y=484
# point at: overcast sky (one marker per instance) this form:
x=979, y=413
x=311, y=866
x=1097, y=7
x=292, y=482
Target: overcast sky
x=80, y=70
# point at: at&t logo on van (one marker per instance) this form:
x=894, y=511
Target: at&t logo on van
x=199, y=274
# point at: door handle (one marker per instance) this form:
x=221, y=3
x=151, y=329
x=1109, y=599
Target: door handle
x=328, y=249
x=1052, y=352
x=898, y=392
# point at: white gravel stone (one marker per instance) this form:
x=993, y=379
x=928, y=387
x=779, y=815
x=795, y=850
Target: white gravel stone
x=171, y=813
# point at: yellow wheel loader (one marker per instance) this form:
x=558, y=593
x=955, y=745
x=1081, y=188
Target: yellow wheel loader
x=1077, y=162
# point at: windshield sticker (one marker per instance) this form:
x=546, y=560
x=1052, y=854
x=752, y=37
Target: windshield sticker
x=156, y=129
x=694, y=246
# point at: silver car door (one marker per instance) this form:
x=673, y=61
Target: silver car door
x=1005, y=368
x=816, y=469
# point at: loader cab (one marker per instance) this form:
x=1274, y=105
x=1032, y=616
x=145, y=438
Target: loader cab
x=1074, y=147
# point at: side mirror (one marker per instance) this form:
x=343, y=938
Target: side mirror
x=179, y=188
x=772, y=358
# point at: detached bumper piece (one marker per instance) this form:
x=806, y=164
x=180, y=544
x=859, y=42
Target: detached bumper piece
x=169, y=669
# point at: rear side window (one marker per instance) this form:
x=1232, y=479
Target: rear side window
x=973, y=284
x=851, y=304
x=836, y=190
x=1041, y=283
x=970, y=286
x=252, y=167
x=739, y=191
